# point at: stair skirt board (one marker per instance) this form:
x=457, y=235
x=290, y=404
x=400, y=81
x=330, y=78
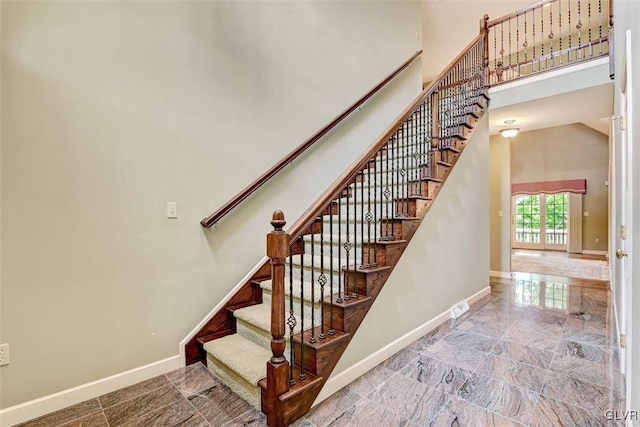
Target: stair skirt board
x=340, y=380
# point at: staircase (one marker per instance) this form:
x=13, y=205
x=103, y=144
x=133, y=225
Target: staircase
x=279, y=337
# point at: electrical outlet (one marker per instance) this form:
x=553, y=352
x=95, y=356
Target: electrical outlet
x=4, y=354
x=597, y=240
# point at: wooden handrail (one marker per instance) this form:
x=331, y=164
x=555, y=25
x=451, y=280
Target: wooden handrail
x=518, y=12
x=260, y=181
x=307, y=218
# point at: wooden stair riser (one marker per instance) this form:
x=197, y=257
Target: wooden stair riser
x=461, y=132
x=426, y=187
x=400, y=228
x=346, y=314
x=438, y=170
x=412, y=207
x=318, y=355
x=384, y=253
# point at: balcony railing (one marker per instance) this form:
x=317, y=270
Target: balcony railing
x=547, y=35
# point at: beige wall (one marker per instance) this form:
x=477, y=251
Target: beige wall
x=568, y=152
x=500, y=200
x=447, y=260
x=112, y=109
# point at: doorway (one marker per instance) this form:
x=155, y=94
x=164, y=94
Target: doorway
x=540, y=221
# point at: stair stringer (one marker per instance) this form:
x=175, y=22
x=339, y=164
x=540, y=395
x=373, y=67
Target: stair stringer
x=299, y=400
x=422, y=288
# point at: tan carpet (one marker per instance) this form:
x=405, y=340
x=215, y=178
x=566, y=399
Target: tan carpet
x=559, y=266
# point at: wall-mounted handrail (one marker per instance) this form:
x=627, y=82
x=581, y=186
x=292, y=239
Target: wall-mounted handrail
x=260, y=181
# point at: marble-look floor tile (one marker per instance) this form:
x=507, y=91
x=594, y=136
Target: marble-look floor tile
x=255, y=418
x=522, y=334
x=371, y=380
x=219, y=405
x=593, y=326
x=523, y=353
x=414, y=400
x=471, y=340
x=400, y=359
x=334, y=406
x=462, y=357
x=65, y=415
x=516, y=373
x=301, y=422
x=180, y=414
x=366, y=413
x=547, y=320
x=437, y=374
x=192, y=379
x=97, y=419
x=430, y=338
x=592, y=353
x=130, y=392
x=492, y=329
x=553, y=413
x=586, y=337
x=498, y=396
x=595, y=373
x=581, y=393
x=128, y=410
x=460, y=413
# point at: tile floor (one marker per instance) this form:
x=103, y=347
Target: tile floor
x=538, y=351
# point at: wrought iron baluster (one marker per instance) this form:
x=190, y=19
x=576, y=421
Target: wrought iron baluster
x=363, y=215
x=291, y=321
x=347, y=247
x=570, y=29
x=518, y=43
x=376, y=219
x=339, y=299
x=589, y=18
x=560, y=30
x=312, y=340
x=533, y=39
x=302, y=375
x=355, y=235
x=600, y=25
x=551, y=35
x=322, y=280
x=332, y=330
x=579, y=28
x=542, y=58
x=370, y=217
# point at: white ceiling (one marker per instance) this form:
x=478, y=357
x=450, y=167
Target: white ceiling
x=587, y=105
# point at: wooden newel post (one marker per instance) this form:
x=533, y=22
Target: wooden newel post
x=435, y=121
x=277, y=366
x=484, y=30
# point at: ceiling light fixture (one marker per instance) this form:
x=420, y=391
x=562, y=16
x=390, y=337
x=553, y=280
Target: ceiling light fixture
x=510, y=131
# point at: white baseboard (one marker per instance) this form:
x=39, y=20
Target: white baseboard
x=344, y=378
x=217, y=308
x=54, y=402
x=503, y=274
x=590, y=252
